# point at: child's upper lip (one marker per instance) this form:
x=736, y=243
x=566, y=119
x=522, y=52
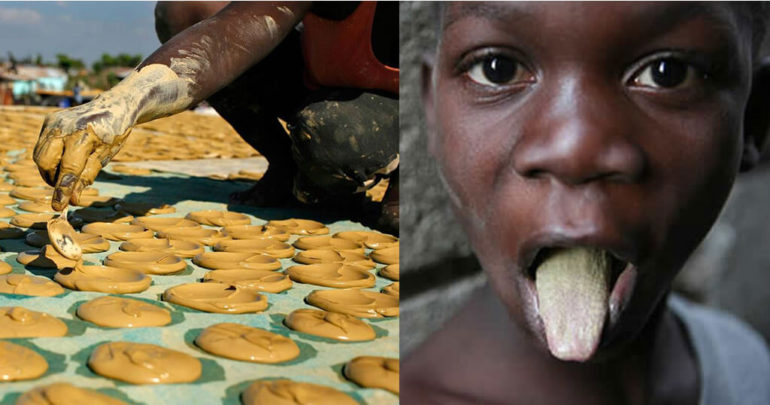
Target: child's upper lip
x=624, y=250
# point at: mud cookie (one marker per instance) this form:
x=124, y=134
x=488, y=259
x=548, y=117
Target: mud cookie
x=246, y=343
x=256, y=280
x=103, y=279
x=330, y=256
x=325, y=242
x=299, y=226
x=232, y=260
x=373, y=372
x=269, y=247
x=216, y=297
x=19, y=363
x=335, y=275
x=141, y=363
x=117, y=231
x=118, y=312
x=331, y=325
x=24, y=284
x=271, y=392
x=360, y=303
x=181, y=248
x=144, y=208
x=158, y=224
x=146, y=262
x=19, y=322
x=208, y=237
x=64, y=393
x=390, y=272
x=218, y=218
x=255, y=232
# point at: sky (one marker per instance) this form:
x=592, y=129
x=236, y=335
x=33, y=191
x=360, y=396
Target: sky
x=83, y=30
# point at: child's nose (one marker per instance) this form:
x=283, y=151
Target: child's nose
x=577, y=139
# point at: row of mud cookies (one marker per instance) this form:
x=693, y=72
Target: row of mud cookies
x=216, y=262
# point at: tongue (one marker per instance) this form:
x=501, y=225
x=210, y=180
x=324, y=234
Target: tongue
x=572, y=292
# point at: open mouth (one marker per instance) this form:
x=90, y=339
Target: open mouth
x=579, y=293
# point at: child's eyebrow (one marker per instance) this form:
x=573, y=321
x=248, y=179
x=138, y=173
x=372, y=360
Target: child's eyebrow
x=664, y=16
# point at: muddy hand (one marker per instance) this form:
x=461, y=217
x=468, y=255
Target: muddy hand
x=74, y=144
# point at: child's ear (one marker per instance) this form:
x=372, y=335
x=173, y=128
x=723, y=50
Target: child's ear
x=428, y=99
x=757, y=120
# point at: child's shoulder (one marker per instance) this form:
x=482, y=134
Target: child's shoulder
x=733, y=359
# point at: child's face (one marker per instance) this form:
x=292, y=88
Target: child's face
x=610, y=126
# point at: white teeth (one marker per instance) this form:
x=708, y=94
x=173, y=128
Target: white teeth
x=572, y=289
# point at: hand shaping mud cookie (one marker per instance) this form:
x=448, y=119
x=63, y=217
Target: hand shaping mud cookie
x=19, y=363
x=247, y=279
x=24, y=284
x=232, y=260
x=19, y=322
x=117, y=312
x=219, y=218
x=241, y=342
x=146, y=262
x=331, y=325
x=216, y=297
x=64, y=393
x=140, y=363
x=272, y=392
x=103, y=279
x=335, y=275
x=360, y=303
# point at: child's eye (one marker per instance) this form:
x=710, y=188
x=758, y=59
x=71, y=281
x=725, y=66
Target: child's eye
x=666, y=73
x=498, y=70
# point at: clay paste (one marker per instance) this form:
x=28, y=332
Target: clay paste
x=31, y=193
x=331, y=325
x=273, y=248
x=274, y=392
x=117, y=231
x=64, y=393
x=144, y=208
x=230, y=260
x=159, y=224
x=335, y=275
x=24, y=284
x=39, y=206
x=6, y=212
x=392, y=289
x=325, y=242
x=255, y=232
x=245, y=343
x=219, y=218
x=330, y=256
x=256, y=280
x=299, y=226
x=373, y=372
x=181, y=248
x=117, y=312
x=390, y=272
x=200, y=235
x=103, y=279
x=360, y=303
x=19, y=322
x=141, y=363
x=385, y=256
x=147, y=262
x=5, y=199
x=5, y=268
x=32, y=220
x=216, y=297
x=19, y=363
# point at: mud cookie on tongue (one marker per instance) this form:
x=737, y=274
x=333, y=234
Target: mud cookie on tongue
x=572, y=292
